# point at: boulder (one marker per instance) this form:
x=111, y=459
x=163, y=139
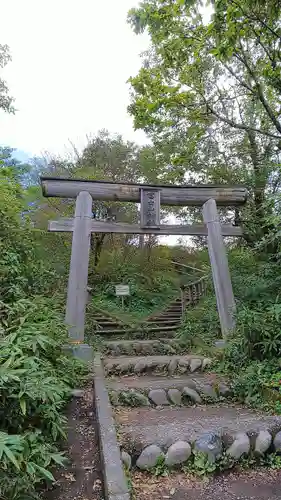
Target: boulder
x=140, y=366
x=277, y=442
x=206, y=362
x=208, y=391
x=158, y=397
x=195, y=364
x=149, y=457
x=172, y=368
x=263, y=442
x=175, y=396
x=224, y=390
x=210, y=444
x=191, y=384
x=239, y=447
x=178, y=453
x=123, y=367
x=191, y=394
x=126, y=459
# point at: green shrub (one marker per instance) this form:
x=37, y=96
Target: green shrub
x=35, y=382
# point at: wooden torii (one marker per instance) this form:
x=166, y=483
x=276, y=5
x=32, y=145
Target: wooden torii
x=150, y=197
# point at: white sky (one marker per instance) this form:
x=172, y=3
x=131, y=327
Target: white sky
x=71, y=61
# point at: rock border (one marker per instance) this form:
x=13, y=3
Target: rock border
x=115, y=484
x=213, y=445
x=144, y=347
x=192, y=393
x=171, y=365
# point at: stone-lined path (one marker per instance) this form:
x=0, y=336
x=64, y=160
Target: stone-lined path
x=168, y=406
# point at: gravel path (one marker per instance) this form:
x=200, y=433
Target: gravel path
x=260, y=484
x=165, y=426
x=81, y=479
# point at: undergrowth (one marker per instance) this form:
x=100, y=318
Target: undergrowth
x=36, y=378
x=199, y=464
x=152, y=277
x=252, y=356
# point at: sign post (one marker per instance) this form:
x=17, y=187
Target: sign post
x=122, y=291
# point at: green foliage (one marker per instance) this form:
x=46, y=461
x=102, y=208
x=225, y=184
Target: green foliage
x=200, y=465
x=153, y=280
x=35, y=376
x=35, y=382
x=20, y=268
x=201, y=325
x=251, y=358
x=5, y=100
x=129, y=398
x=208, y=94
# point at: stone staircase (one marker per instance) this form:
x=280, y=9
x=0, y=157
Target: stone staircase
x=156, y=334
x=162, y=324
x=168, y=406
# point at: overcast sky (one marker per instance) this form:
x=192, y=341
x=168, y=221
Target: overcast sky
x=71, y=61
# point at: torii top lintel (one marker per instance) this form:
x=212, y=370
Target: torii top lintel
x=184, y=195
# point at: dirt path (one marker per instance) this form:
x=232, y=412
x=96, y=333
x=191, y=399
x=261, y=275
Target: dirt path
x=259, y=484
x=81, y=479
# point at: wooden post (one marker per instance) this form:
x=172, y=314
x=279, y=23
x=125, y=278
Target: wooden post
x=78, y=274
x=189, y=296
x=194, y=294
x=220, y=270
x=182, y=302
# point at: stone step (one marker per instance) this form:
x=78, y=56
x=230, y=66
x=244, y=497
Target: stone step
x=165, y=316
x=165, y=321
x=174, y=311
x=174, y=306
x=148, y=434
x=156, y=390
x=117, y=331
x=141, y=334
x=144, y=329
x=111, y=326
x=102, y=316
x=176, y=364
x=162, y=328
x=107, y=321
x=147, y=347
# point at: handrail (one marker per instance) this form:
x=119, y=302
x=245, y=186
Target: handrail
x=195, y=290
x=189, y=267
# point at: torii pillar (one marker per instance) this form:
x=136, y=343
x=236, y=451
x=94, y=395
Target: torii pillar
x=78, y=277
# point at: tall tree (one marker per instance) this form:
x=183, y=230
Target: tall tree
x=5, y=100
x=207, y=100
x=106, y=157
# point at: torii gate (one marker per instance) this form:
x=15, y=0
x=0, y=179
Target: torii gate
x=150, y=197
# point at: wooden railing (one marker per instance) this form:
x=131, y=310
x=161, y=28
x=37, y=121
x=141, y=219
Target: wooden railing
x=192, y=292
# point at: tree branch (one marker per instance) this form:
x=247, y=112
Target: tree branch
x=260, y=93
x=244, y=84
x=240, y=126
